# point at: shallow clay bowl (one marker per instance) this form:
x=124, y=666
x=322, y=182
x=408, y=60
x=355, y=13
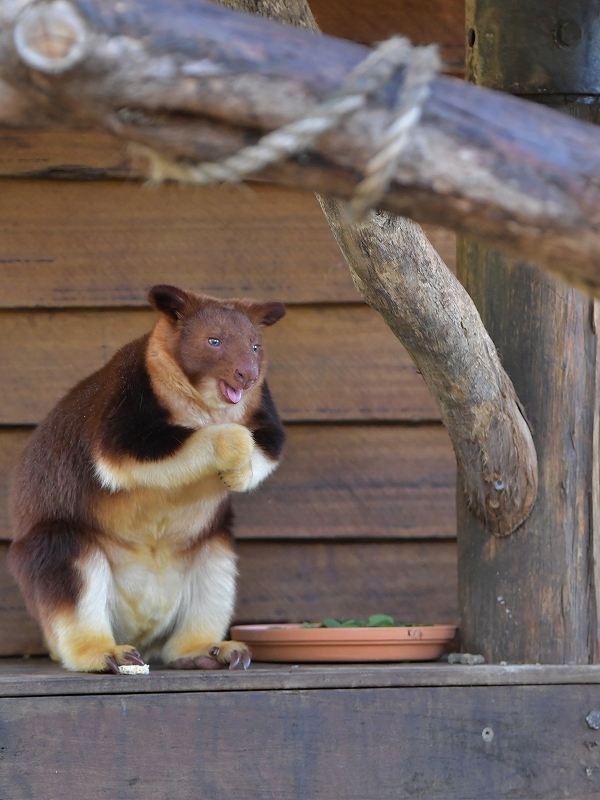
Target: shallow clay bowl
x=295, y=643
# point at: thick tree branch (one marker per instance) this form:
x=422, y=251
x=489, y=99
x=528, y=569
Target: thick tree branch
x=200, y=83
x=197, y=80
x=400, y=275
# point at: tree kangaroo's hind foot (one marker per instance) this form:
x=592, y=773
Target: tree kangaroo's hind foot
x=218, y=656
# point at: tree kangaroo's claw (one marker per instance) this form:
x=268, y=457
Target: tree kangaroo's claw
x=112, y=664
x=134, y=658
x=244, y=658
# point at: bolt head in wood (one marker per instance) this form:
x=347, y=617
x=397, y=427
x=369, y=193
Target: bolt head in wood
x=51, y=37
x=568, y=33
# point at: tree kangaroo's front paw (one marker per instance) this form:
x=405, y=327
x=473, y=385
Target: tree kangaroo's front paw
x=238, y=480
x=216, y=656
x=233, y=447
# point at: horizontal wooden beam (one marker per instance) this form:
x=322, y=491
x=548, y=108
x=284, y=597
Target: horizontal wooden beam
x=335, y=482
x=75, y=243
x=357, y=481
x=326, y=363
x=508, y=172
x=41, y=677
x=19, y=633
x=104, y=243
x=424, y=22
x=297, y=581
x=439, y=743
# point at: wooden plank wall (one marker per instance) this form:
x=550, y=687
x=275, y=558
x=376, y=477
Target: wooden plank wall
x=421, y=742
x=423, y=21
x=360, y=516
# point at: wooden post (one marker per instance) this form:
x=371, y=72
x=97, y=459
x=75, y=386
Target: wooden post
x=532, y=597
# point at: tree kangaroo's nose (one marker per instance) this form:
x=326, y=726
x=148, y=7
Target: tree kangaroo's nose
x=247, y=374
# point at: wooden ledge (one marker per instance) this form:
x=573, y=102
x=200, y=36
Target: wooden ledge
x=39, y=677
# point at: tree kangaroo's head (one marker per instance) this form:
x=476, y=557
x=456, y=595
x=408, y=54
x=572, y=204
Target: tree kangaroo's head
x=217, y=343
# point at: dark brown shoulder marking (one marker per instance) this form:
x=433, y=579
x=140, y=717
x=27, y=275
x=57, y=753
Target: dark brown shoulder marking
x=266, y=426
x=134, y=423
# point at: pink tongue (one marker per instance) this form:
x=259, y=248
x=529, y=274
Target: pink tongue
x=233, y=395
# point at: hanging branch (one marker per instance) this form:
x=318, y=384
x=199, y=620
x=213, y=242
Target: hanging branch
x=198, y=82
x=400, y=275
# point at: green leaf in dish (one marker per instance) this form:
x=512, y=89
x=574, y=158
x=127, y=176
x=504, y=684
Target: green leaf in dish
x=380, y=621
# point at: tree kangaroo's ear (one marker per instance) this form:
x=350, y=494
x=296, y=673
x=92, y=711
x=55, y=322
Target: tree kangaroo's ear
x=170, y=300
x=263, y=314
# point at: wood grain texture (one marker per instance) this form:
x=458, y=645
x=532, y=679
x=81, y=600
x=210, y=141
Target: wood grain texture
x=432, y=21
x=12, y=441
x=104, y=243
x=356, y=481
x=63, y=153
x=439, y=22
x=335, y=482
x=532, y=599
x=401, y=276
x=19, y=633
x=362, y=744
x=262, y=240
x=535, y=599
x=73, y=243
x=34, y=677
x=298, y=581
x=326, y=363
x=292, y=581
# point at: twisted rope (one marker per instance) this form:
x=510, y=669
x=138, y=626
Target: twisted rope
x=421, y=63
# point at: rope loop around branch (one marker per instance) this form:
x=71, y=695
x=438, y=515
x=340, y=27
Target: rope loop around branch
x=420, y=64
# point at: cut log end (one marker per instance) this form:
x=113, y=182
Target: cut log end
x=503, y=507
x=499, y=471
x=51, y=38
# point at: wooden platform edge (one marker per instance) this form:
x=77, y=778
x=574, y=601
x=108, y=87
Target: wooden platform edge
x=40, y=677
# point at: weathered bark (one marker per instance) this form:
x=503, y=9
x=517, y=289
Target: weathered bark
x=401, y=276
x=534, y=598
x=197, y=81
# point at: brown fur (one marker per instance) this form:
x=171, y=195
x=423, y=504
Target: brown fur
x=121, y=500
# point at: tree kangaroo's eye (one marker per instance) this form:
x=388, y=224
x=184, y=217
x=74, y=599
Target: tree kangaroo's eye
x=255, y=348
x=214, y=342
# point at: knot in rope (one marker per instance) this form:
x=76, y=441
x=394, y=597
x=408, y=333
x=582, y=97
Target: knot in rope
x=420, y=65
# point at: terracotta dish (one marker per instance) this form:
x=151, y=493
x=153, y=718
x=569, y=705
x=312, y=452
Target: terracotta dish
x=296, y=643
